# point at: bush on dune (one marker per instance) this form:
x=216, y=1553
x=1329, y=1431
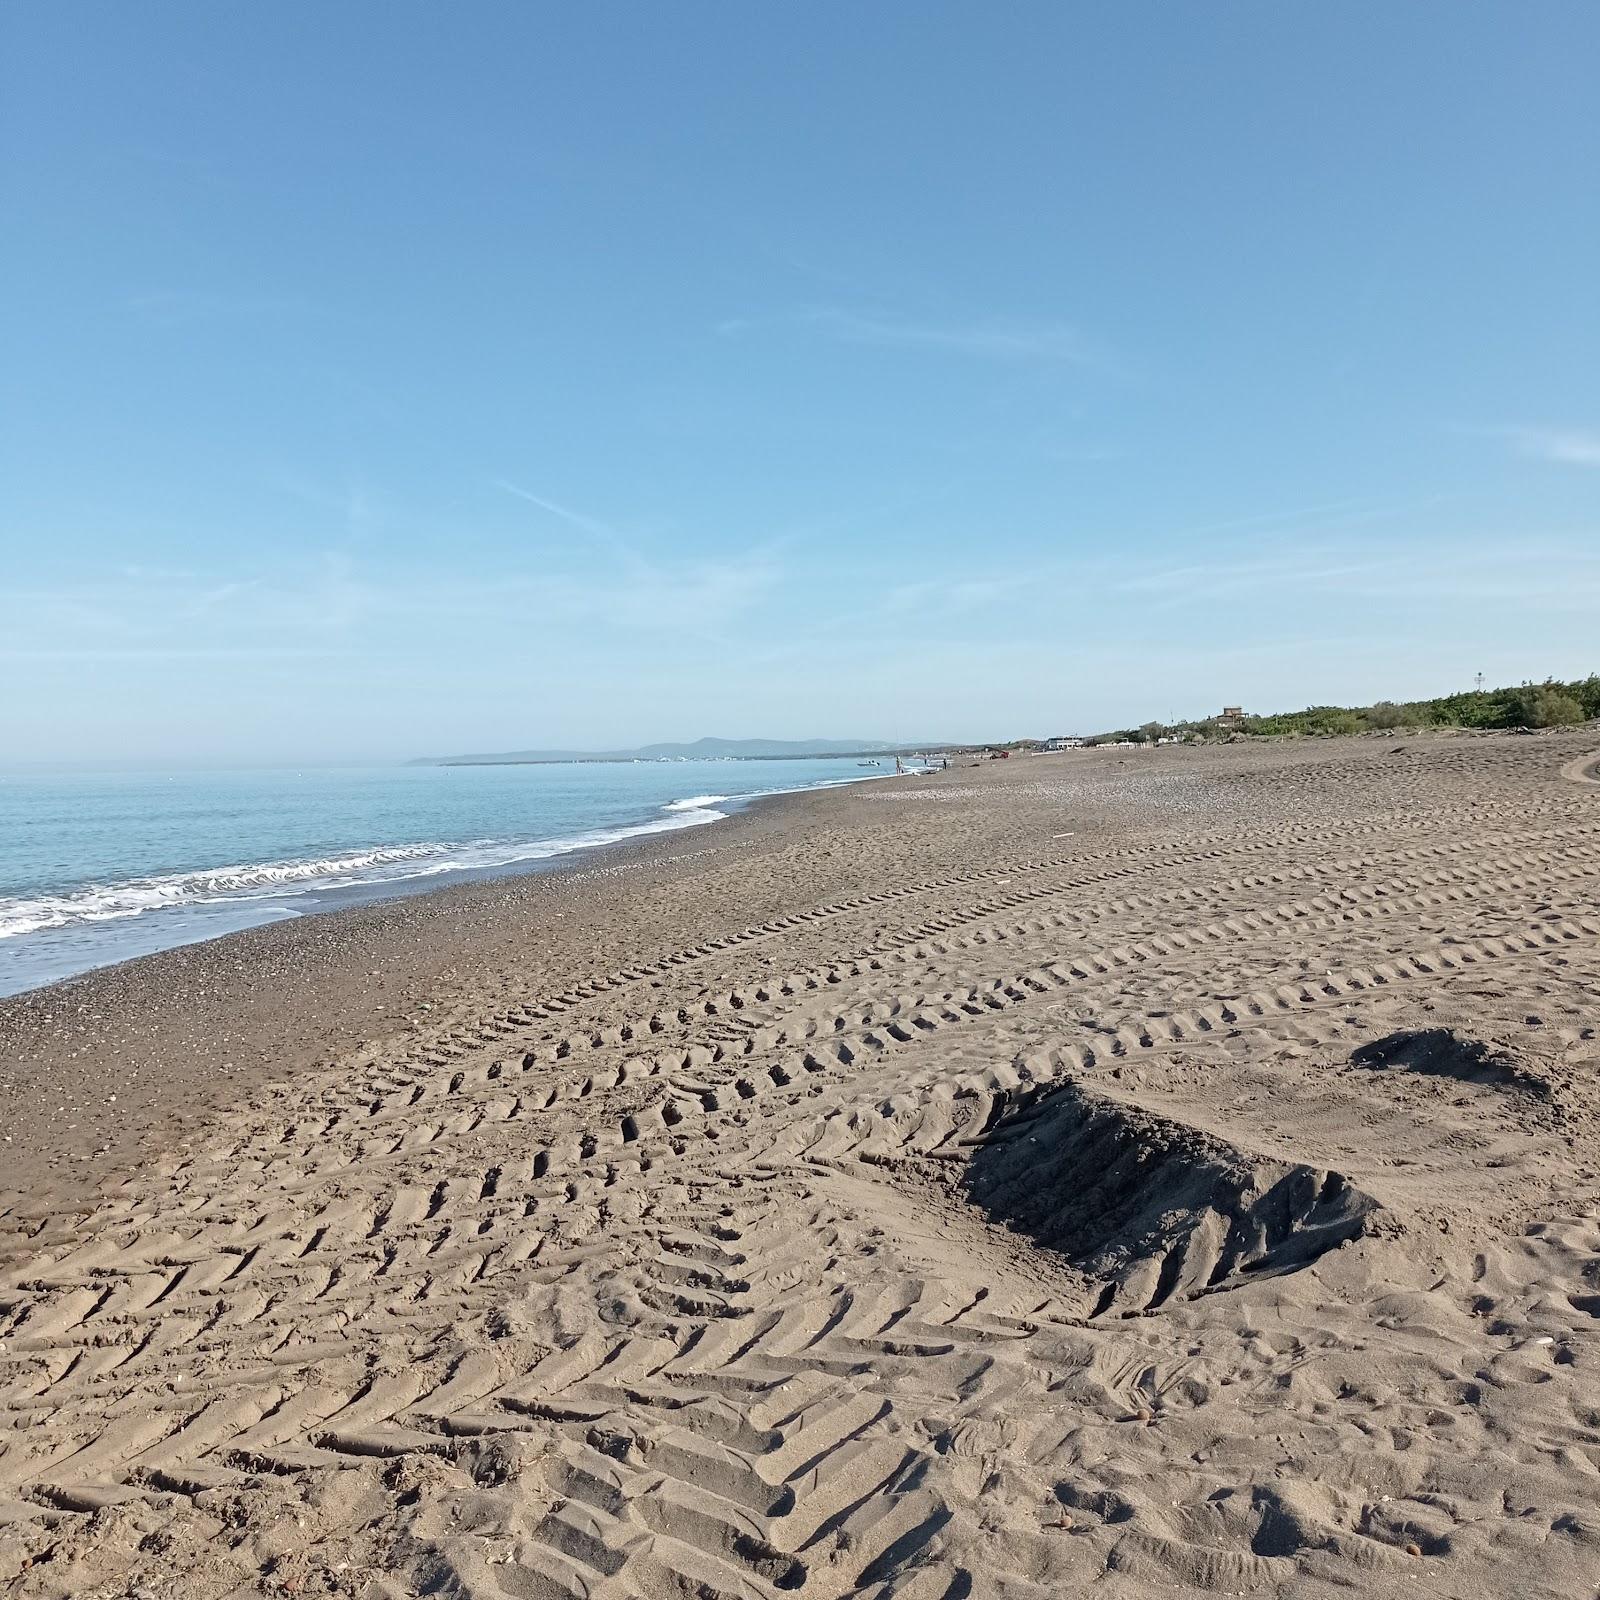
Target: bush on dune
x=1548, y=705
x=1386, y=716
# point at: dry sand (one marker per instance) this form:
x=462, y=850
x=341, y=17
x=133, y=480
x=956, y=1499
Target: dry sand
x=1120, y=1173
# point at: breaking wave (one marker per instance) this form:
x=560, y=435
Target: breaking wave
x=278, y=880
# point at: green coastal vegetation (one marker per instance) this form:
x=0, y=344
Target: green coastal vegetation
x=1551, y=704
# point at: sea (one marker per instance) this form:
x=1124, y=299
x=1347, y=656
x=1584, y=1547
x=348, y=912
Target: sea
x=97, y=867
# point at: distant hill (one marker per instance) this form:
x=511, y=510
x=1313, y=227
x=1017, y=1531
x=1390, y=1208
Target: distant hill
x=699, y=750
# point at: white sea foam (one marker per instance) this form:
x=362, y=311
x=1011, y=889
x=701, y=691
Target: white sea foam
x=281, y=881
x=274, y=880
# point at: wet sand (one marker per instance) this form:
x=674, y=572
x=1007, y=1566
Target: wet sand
x=1118, y=1171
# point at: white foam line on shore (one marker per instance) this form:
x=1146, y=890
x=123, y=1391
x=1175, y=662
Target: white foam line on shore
x=245, y=882
x=274, y=880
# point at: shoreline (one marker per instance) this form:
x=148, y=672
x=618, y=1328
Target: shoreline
x=90, y=1061
x=158, y=928
x=103, y=1070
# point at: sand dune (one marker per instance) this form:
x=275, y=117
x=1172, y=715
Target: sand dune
x=1204, y=1202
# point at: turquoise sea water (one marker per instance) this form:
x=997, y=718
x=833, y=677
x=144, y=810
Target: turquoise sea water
x=98, y=867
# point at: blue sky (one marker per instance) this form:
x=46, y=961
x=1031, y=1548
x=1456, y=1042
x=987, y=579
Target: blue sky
x=385, y=379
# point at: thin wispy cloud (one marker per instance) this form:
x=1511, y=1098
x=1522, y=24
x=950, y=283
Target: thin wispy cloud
x=948, y=597
x=1440, y=571
x=137, y=572
x=1335, y=510
x=136, y=611
x=352, y=500
x=331, y=603
x=1568, y=446
x=1212, y=579
x=692, y=598
x=991, y=341
x=1298, y=548
x=896, y=608
x=984, y=339
x=602, y=532
x=211, y=599
x=173, y=653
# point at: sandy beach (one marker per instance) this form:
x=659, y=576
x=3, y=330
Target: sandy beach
x=1122, y=1172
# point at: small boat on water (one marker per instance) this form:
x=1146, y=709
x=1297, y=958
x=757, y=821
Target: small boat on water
x=869, y=763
